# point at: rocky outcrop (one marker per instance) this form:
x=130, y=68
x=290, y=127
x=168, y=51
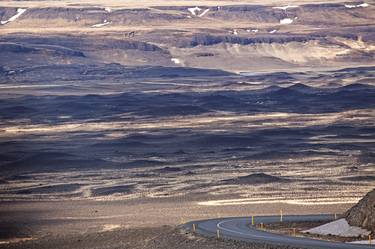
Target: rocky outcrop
x=363, y=213
x=259, y=178
x=207, y=39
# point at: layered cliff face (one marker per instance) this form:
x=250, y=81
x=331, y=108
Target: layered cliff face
x=363, y=214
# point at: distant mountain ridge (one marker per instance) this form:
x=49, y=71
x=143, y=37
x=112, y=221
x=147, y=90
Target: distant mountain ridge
x=227, y=36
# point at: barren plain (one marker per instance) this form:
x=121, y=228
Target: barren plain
x=118, y=118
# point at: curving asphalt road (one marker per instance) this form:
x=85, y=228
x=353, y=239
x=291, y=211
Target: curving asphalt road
x=237, y=229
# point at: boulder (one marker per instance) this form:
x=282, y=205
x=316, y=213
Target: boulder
x=363, y=213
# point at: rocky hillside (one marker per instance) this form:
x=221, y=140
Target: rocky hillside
x=363, y=214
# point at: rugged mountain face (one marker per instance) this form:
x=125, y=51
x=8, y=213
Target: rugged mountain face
x=363, y=214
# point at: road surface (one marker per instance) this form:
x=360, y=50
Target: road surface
x=238, y=229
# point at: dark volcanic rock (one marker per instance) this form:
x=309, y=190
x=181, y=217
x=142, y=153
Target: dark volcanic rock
x=60, y=188
x=363, y=213
x=169, y=170
x=104, y=191
x=259, y=178
x=50, y=160
x=359, y=178
x=15, y=48
x=207, y=39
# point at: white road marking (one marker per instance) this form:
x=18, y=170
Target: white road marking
x=219, y=226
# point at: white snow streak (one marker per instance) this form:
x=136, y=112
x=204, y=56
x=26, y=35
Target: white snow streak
x=176, y=61
x=194, y=11
x=204, y=12
x=363, y=5
x=286, y=7
x=286, y=21
x=13, y=18
x=351, y=6
x=101, y=24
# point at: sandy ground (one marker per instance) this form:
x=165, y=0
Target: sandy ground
x=38, y=224
x=147, y=212
x=153, y=238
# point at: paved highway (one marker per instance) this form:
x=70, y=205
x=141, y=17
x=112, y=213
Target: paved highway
x=238, y=229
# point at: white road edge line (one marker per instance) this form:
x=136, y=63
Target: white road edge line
x=219, y=226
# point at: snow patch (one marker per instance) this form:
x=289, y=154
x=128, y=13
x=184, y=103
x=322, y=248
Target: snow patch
x=13, y=18
x=286, y=7
x=176, y=61
x=204, y=12
x=101, y=24
x=340, y=228
x=252, y=30
x=273, y=31
x=362, y=5
x=109, y=10
x=194, y=11
x=110, y=227
x=286, y=21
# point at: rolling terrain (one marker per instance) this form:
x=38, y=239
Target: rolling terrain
x=234, y=37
